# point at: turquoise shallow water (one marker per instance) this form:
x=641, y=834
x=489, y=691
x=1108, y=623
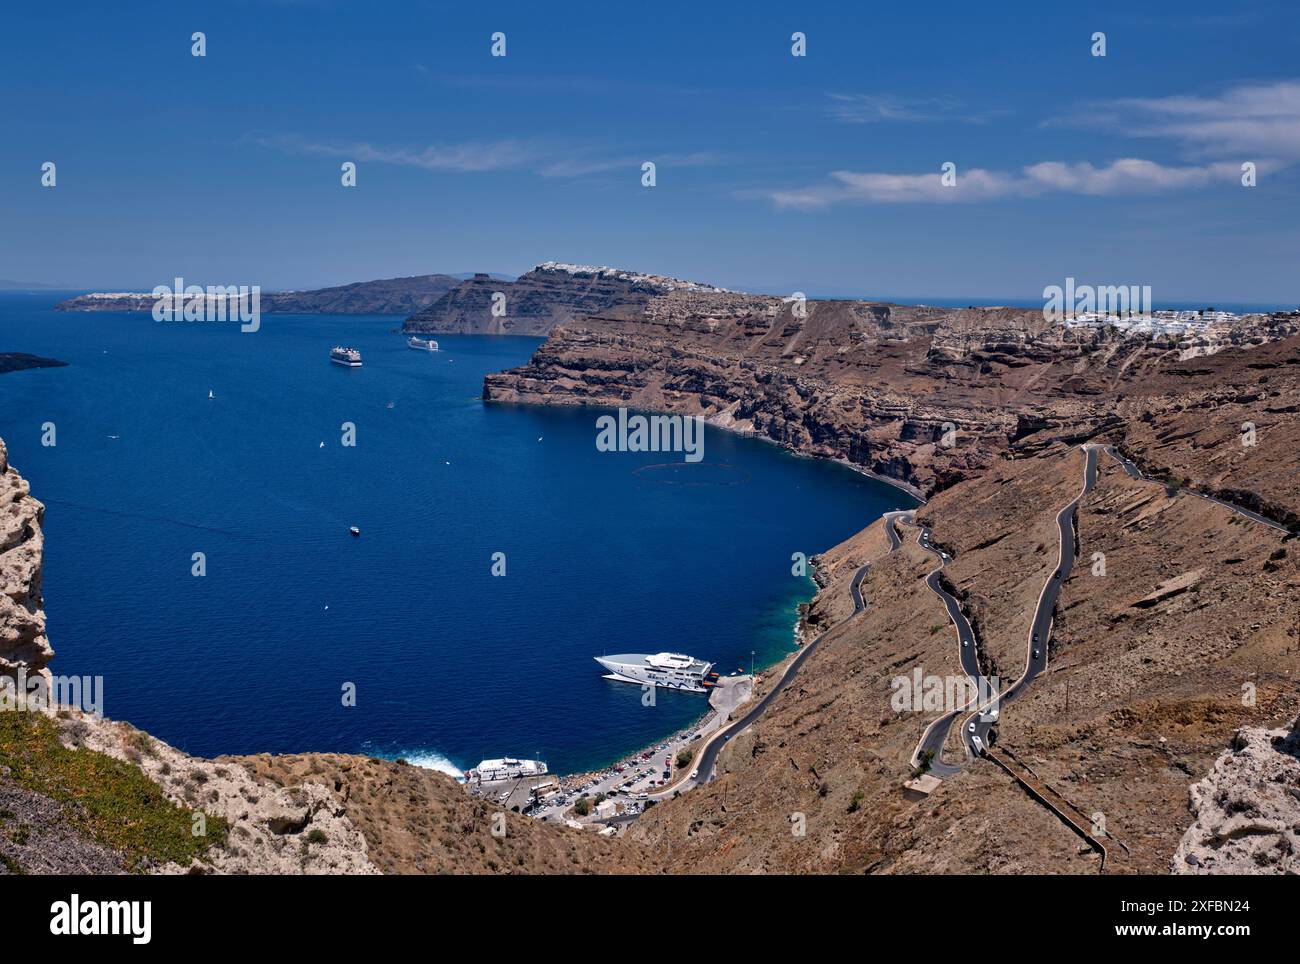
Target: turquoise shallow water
x=605, y=552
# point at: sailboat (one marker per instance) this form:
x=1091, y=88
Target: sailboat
x=210, y=395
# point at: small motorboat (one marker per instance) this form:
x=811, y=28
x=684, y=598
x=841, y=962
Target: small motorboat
x=354, y=530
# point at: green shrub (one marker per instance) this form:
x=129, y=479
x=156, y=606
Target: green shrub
x=113, y=802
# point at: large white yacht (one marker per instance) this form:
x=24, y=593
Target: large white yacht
x=348, y=357
x=675, y=671
x=507, y=768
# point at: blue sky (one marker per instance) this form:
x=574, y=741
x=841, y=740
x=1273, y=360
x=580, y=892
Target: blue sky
x=774, y=173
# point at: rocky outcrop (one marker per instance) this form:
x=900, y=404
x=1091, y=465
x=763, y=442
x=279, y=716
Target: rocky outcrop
x=23, y=643
x=390, y=296
x=16, y=361
x=272, y=829
x=548, y=295
x=1247, y=809
x=419, y=821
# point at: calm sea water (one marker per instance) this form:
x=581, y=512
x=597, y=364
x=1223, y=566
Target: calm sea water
x=605, y=552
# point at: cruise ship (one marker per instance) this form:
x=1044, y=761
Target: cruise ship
x=421, y=344
x=508, y=768
x=347, y=357
x=675, y=671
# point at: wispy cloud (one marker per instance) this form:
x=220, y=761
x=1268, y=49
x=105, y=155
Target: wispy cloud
x=1259, y=123
x=479, y=156
x=464, y=157
x=1120, y=177
x=879, y=108
x=1248, y=121
x=583, y=166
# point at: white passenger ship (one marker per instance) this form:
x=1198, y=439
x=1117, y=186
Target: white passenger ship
x=675, y=671
x=347, y=357
x=421, y=344
x=507, y=768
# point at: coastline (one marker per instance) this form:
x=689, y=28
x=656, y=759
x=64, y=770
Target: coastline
x=675, y=738
x=569, y=781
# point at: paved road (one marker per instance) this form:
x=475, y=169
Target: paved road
x=936, y=734
x=1135, y=473
x=707, y=761
x=976, y=727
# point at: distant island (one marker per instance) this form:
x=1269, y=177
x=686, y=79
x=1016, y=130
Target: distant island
x=389, y=296
x=16, y=361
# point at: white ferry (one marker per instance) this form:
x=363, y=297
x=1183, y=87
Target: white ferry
x=421, y=344
x=675, y=671
x=347, y=357
x=507, y=768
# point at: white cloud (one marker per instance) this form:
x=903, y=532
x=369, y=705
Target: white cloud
x=1250, y=122
x=1123, y=176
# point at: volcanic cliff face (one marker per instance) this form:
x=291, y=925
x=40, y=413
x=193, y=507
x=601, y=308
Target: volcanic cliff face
x=1152, y=650
x=390, y=296
x=548, y=295
x=23, y=643
x=925, y=396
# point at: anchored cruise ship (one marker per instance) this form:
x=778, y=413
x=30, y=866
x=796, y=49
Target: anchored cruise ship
x=675, y=671
x=421, y=344
x=348, y=357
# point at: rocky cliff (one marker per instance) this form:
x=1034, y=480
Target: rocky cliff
x=23, y=643
x=1247, y=809
x=391, y=296
x=548, y=295
x=925, y=396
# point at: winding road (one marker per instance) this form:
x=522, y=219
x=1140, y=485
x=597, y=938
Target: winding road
x=976, y=733
x=1135, y=473
x=936, y=734
x=707, y=759
x=976, y=726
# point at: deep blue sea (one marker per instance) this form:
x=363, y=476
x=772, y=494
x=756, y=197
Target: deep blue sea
x=604, y=552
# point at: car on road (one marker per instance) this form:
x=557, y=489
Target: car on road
x=971, y=726
x=694, y=774
x=1036, y=654
x=965, y=642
